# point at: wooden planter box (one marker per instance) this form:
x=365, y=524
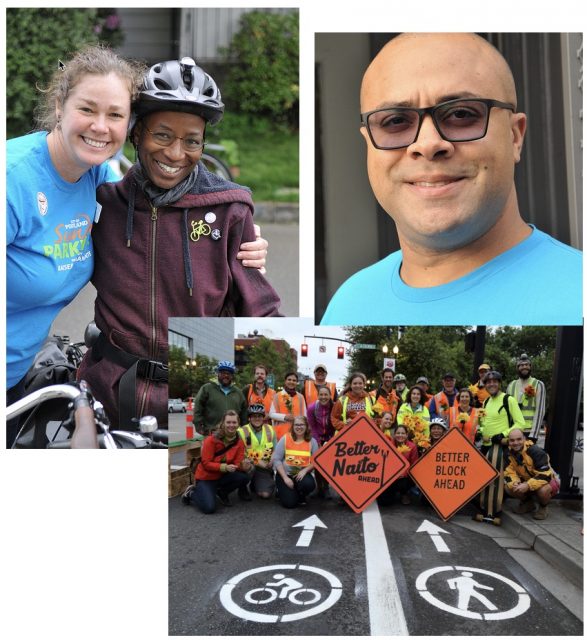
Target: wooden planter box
x=179, y=479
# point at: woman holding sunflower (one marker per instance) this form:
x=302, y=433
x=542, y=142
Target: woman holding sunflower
x=287, y=405
x=463, y=416
x=414, y=415
x=403, y=484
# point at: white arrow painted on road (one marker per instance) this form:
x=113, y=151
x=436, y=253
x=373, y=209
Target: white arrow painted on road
x=309, y=525
x=434, y=531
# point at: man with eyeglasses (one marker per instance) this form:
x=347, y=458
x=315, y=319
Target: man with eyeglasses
x=443, y=137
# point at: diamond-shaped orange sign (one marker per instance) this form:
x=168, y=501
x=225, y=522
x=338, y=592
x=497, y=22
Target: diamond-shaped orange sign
x=452, y=472
x=360, y=462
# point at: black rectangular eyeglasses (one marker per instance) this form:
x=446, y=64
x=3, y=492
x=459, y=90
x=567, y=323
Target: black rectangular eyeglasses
x=460, y=120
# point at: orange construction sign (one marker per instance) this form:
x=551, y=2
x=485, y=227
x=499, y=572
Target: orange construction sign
x=360, y=462
x=452, y=472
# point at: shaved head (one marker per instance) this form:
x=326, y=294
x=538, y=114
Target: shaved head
x=458, y=50
x=445, y=195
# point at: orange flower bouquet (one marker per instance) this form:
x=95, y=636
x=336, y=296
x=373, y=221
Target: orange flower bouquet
x=529, y=391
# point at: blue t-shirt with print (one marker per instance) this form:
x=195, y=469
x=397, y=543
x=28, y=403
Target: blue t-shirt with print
x=538, y=281
x=49, y=255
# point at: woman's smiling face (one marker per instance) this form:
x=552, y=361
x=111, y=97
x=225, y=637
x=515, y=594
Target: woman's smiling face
x=168, y=166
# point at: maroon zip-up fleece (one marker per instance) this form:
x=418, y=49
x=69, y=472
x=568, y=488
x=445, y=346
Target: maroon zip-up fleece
x=146, y=262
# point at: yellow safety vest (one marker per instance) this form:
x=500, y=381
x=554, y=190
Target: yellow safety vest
x=258, y=450
x=368, y=406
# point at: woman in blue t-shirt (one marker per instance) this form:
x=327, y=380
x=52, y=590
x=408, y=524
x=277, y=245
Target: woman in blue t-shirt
x=51, y=181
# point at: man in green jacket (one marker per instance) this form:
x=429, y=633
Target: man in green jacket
x=214, y=399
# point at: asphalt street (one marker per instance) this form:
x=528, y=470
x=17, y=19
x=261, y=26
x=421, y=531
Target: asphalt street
x=282, y=273
x=245, y=571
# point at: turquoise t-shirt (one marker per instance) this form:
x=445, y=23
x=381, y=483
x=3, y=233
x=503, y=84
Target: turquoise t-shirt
x=49, y=255
x=538, y=281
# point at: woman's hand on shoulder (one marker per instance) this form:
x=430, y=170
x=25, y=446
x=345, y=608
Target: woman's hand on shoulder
x=253, y=254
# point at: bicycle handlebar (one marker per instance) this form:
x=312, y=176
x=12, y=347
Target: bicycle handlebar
x=39, y=396
x=89, y=432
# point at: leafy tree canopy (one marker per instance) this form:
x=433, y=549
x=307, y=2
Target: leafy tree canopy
x=433, y=351
x=186, y=379
x=264, y=352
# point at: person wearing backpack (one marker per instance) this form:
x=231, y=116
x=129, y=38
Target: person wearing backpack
x=499, y=416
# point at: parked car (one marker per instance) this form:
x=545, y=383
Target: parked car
x=175, y=405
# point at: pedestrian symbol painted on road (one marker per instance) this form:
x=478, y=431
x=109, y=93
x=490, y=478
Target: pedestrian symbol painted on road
x=280, y=593
x=468, y=589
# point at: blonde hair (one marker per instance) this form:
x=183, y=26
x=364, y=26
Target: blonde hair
x=91, y=60
x=220, y=432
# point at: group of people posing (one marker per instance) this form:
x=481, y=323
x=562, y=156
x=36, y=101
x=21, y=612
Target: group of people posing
x=281, y=431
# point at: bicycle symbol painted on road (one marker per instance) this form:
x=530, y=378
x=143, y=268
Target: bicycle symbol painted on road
x=297, y=600
x=292, y=590
x=471, y=589
x=199, y=228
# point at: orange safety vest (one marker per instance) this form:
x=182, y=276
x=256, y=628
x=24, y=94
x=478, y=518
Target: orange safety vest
x=440, y=400
x=469, y=428
x=480, y=393
x=282, y=428
x=389, y=401
x=254, y=398
x=311, y=390
x=297, y=454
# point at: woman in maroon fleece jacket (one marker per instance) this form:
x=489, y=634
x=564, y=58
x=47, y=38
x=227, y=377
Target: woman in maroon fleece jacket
x=166, y=245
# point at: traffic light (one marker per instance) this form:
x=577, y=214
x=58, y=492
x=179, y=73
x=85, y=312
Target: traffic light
x=304, y=350
x=340, y=354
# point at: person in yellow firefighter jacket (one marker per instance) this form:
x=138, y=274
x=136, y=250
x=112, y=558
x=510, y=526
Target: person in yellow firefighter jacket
x=260, y=442
x=529, y=475
x=292, y=461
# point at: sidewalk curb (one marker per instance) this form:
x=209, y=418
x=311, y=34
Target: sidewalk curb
x=564, y=557
x=283, y=212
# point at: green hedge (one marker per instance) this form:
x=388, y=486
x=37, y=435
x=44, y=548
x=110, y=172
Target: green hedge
x=264, y=66
x=35, y=40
